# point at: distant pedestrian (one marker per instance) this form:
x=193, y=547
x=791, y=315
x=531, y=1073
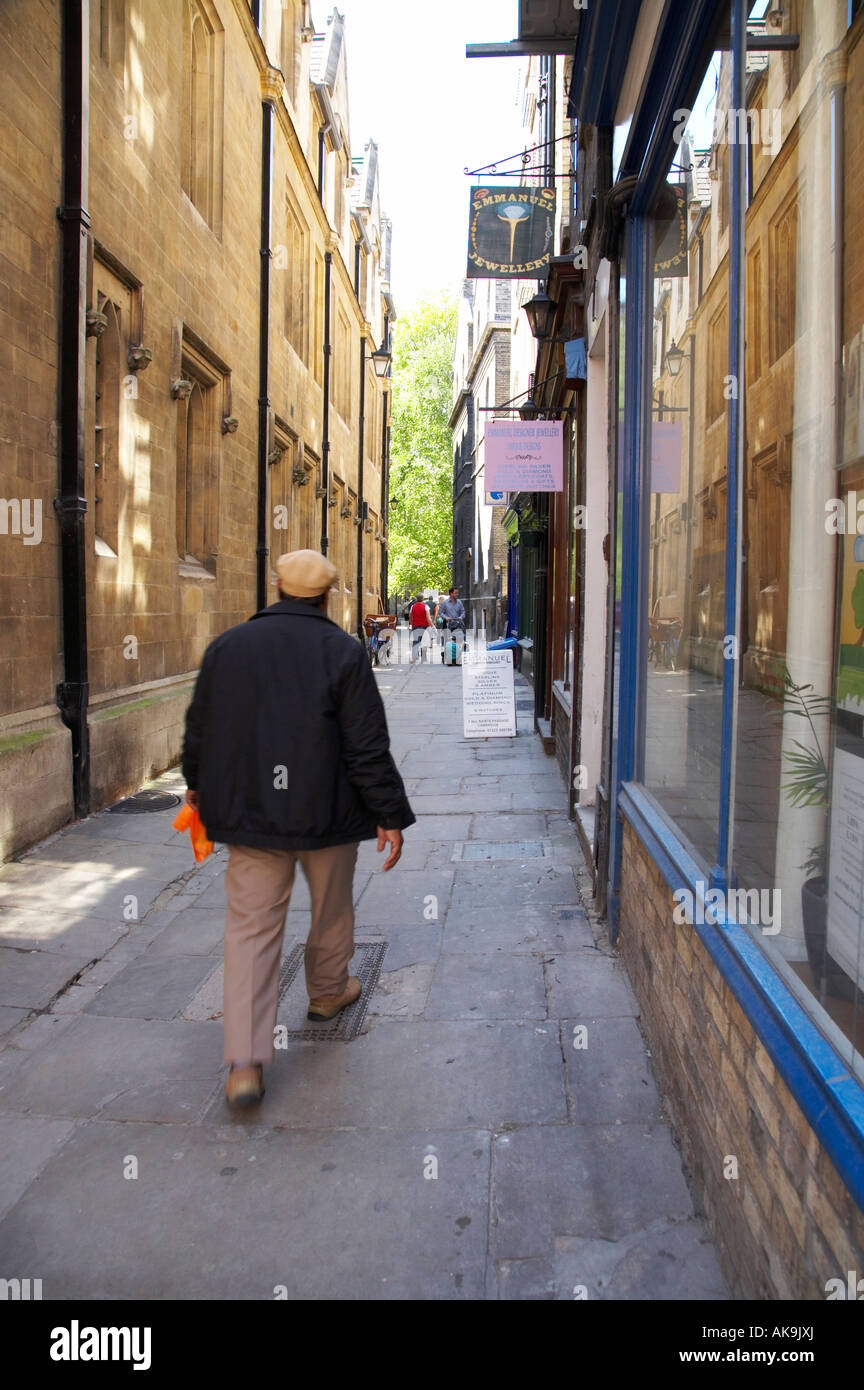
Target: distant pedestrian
x=286, y=757
x=421, y=622
x=452, y=610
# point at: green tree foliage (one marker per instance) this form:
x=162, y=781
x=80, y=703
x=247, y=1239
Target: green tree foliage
x=421, y=449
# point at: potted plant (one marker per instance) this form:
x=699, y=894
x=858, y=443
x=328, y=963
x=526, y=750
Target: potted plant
x=808, y=784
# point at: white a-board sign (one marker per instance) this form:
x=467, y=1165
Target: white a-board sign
x=488, y=696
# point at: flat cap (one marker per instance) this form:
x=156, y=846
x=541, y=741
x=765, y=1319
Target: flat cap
x=305, y=573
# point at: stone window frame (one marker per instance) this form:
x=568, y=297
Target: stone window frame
x=112, y=37
x=202, y=110
x=198, y=497
x=110, y=282
x=297, y=238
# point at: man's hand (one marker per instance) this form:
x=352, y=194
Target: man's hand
x=393, y=838
x=192, y=799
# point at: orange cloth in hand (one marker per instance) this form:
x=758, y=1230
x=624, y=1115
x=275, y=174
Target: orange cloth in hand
x=189, y=819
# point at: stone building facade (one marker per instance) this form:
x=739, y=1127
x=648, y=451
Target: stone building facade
x=481, y=380
x=234, y=285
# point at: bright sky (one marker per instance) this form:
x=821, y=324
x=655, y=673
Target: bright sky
x=433, y=112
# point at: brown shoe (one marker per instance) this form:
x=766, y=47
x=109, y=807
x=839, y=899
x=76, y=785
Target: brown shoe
x=244, y=1085
x=329, y=1005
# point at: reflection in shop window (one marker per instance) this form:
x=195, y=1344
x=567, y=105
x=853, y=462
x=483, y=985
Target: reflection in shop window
x=686, y=588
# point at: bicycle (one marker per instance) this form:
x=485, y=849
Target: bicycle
x=379, y=632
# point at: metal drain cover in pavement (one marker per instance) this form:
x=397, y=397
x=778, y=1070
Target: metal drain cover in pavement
x=145, y=801
x=294, y=1001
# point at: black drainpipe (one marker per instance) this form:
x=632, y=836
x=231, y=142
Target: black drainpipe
x=72, y=693
x=361, y=425
x=262, y=550
x=325, y=439
x=322, y=138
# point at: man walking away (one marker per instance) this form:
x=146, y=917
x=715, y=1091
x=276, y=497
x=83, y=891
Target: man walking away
x=452, y=610
x=420, y=623
x=287, y=758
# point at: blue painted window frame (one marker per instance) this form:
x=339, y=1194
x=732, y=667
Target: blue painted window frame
x=828, y=1093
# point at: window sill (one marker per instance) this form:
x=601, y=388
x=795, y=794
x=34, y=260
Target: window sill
x=564, y=697
x=189, y=568
x=829, y=1095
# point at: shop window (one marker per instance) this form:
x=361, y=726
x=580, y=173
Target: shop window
x=799, y=788
x=685, y=581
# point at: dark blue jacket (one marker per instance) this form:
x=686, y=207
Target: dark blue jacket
x=286, y=737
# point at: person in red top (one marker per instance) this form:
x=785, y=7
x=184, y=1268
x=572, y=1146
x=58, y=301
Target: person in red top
x=419, y=620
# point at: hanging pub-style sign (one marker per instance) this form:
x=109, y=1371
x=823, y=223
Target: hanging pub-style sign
x=510, y=232
x=670, y=221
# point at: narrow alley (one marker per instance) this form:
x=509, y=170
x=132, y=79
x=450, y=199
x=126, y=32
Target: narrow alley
x=494, y=1131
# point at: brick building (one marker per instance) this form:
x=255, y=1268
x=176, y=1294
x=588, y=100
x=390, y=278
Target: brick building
x=187, y=378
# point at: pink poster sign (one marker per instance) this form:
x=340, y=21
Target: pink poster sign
x=524, y=456
x=666, y=444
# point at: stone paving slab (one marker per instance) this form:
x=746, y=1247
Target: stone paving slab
x=10, y=1018
x=27, y=1144
x=405, y=898
x=509, y=826
x=152, y=987
x=608, y=1072
x=441, y=828
x=30, y=979
x=487, y=986
x=63, y=933
x=98, y=1062
x=512, y=885
x=469, y=801
x=411, y=944
x=94, y=898
x=523, y=931
x=193, y=931
x=598, y=1181
x=589, y=985
x=668, y=1260
x=403, y=1075
x=336, y=1216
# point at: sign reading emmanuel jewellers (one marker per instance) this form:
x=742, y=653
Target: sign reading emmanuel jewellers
x=510, y=232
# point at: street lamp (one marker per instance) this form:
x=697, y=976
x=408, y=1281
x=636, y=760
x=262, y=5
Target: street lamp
x=540, y=312
x=381, y=360
x=529, y=410
x=674, y=359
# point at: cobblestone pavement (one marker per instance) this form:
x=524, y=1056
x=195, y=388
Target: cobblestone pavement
x=494, y=1132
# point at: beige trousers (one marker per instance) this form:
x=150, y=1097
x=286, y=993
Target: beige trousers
x=258, y=884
